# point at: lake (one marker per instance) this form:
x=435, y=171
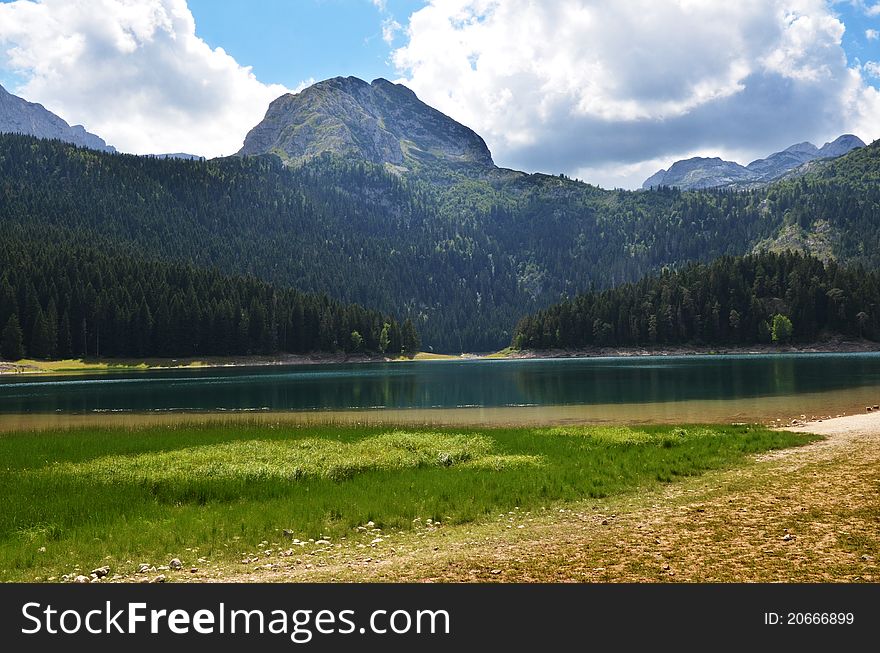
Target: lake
x=620, y=389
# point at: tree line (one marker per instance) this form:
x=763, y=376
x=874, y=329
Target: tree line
x=60, y=301
x=461, y=251
x=762, y=298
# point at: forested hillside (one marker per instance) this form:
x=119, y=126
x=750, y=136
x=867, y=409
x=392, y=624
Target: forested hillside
x=734, y=300
x=461, y=250
x=59, y=300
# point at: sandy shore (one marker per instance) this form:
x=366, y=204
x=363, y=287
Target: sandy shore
x=866, y=425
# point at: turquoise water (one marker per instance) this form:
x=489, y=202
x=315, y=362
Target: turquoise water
x=796, y=380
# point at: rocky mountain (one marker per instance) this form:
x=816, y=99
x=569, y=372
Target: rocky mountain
x=701, y=172
x=840, y=146
x=18, y=116
x=779, y=163
x=380, y=122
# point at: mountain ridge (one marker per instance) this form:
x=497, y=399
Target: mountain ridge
x=712, y=172
x=18, y=116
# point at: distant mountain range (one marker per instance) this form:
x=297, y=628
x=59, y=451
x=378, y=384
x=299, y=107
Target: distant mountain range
x=711, y=172
x=177, y=155
x=18, y=116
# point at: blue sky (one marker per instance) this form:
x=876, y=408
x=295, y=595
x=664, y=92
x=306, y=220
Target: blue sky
x=604, y=91
x=287, y=42
x=856, y=44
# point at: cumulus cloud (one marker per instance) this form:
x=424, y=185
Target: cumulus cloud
x=134, y=72
x=585, y=86
x=872, y=34
x=872, y=69
x=390, y=28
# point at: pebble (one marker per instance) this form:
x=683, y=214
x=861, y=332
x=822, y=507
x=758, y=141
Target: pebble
x=82, y=579
x=175, y=563
x=143, y=568
x=159, y=579
x=100, y=572
x=788, y=537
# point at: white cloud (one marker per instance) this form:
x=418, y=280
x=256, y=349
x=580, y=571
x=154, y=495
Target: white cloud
x=873, y=10
x=133, y=72
x=872, y=69
x=390, y=28
x=584, y=85
x=872, y=34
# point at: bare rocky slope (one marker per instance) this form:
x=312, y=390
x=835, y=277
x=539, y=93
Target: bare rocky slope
x=379, y=122
x=18, y=116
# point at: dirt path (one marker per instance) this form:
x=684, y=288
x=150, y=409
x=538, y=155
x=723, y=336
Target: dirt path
x=809, y=514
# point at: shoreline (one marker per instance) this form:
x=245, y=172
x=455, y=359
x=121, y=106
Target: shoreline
x=88, y=366
x=825, y=347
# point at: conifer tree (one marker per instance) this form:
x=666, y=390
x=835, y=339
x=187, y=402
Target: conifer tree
x=11, y=347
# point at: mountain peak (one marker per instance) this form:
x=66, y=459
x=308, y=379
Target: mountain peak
x=698, y=172
x=806, y=147
x=18, y=116
x=840, y=146
x=382, y=122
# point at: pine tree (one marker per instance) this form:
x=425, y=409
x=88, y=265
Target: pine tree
x=64, y=337
x=52, y=324
x=11, y=347
x=411, y=342
x=41, y=347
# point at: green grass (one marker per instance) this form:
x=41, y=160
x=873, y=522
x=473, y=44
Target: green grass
x=92, y=496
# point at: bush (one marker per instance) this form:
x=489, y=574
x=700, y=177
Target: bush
x=781, y=329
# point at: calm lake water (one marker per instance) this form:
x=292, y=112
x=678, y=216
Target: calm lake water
x=662, y=388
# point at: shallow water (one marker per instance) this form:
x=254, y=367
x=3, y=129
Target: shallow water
x=634, y=389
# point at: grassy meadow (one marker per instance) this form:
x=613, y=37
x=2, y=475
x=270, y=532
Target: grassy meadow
x=95, y=496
